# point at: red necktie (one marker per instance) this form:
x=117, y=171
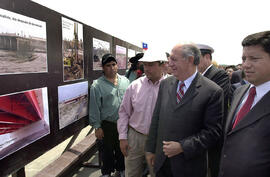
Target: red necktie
x=180, y=92
x=246, y=107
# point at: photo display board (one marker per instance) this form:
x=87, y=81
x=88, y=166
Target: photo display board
x=47, y=63
x=131, y=53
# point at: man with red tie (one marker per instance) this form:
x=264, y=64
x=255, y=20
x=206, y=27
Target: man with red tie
x=186, y=120
x=246, y=149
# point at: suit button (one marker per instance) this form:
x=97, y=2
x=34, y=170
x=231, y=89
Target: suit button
x=224, y=155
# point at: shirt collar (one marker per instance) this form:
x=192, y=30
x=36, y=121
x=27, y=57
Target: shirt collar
x=262, y=89
x=188, y=81
x=105, y=79
x=156, y=83
x=207, y=69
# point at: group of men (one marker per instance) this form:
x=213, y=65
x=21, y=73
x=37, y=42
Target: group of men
x=184, y=124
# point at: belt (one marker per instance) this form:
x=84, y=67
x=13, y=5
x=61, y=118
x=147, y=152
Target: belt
x=136, y=130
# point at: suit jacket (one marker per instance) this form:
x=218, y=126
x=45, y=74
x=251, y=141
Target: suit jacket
x=195, y=123
x=246, y=150
x=236, y=76
x=221, y=78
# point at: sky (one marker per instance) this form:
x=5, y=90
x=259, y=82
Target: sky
x=68, y=30
x=161, y=24
x=22, y=25
x=78, y=89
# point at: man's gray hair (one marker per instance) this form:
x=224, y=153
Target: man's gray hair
x=191, y=50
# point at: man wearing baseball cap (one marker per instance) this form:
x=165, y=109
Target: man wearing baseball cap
x=136, y=69
x=136, y=110
x=106, y=95
x=221, y=78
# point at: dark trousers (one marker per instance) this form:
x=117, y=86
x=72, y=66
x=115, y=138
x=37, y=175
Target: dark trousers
x=214, y=159
x=165, y=170
x=111, y=155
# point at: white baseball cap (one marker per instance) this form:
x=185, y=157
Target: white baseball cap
x=205, y=48
x=152, y=56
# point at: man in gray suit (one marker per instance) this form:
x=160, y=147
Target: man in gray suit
x=186, y=120
x=246, y=148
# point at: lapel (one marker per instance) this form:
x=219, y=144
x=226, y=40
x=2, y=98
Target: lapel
x=189, y=94
x=236, y=100
x=256, y=113
x=172, y=91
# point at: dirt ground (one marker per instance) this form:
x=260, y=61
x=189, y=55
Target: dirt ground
x=10, y=63
x=71, y=112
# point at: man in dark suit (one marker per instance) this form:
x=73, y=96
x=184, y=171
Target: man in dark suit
x=242, y=82
x=186, y=119
x=246, y=150
x=236, y=76
x=221, y=78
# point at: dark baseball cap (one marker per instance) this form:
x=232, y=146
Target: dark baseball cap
x=107, y=58
x=136, y=58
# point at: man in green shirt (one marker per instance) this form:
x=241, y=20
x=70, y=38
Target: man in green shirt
x=106, y=95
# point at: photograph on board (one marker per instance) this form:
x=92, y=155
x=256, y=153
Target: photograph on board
x=121, y=57
x=24, y=119
x=131, y=53
x=72, y=50
x=100, y=48
x=72, y=103
x=23, y=46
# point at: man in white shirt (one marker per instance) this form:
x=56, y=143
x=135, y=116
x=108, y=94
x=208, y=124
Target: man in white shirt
x=136, y=111
x=246, y=149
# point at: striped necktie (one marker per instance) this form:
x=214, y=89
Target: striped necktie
x=180, y=92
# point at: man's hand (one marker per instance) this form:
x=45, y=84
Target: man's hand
x=124, y=147
x=172, y=148
x=99, y=133
x=150, y=158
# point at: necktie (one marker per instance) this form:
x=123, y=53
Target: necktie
x=246, y=107
x=180, y=92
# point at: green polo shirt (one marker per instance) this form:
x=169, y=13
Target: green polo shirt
x=132, y=76
x=105, y=100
